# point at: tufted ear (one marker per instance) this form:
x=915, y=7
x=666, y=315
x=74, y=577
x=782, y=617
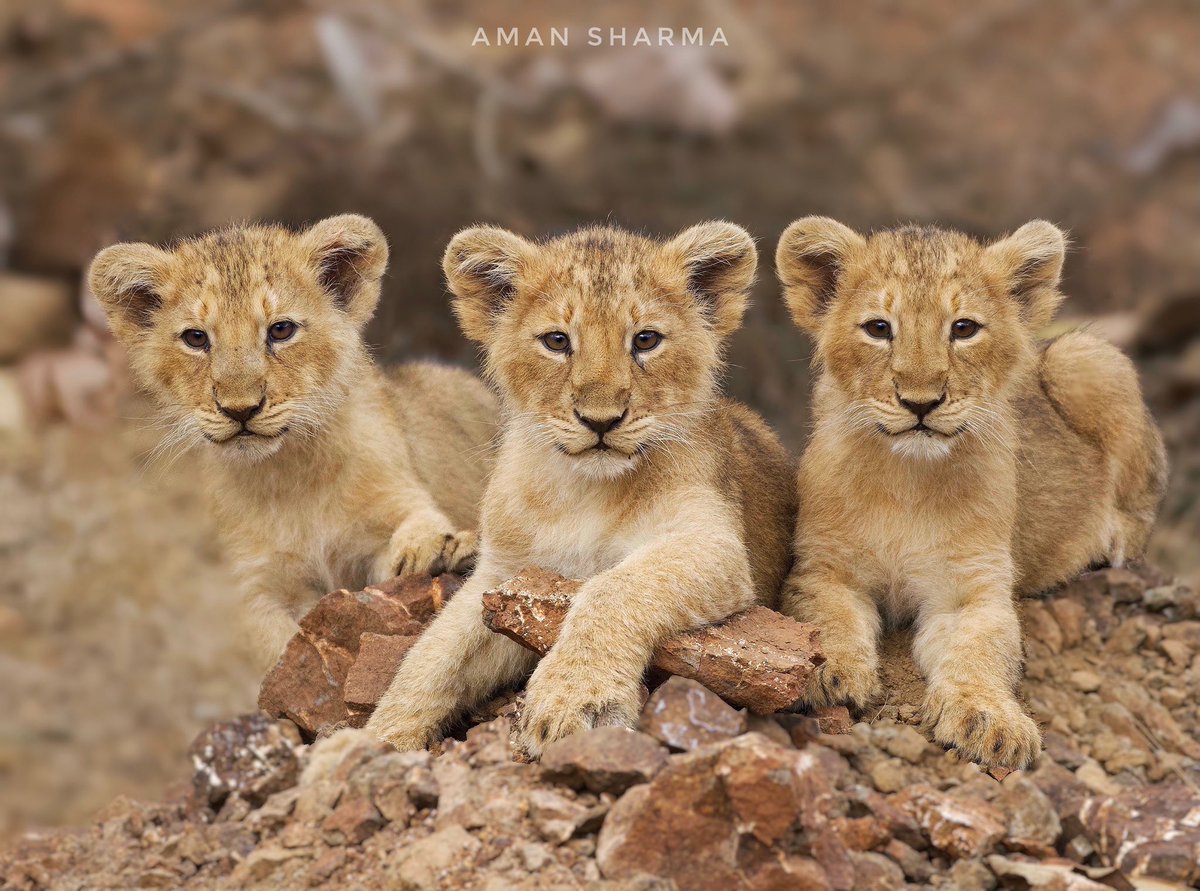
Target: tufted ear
x=126, y=279
x=720, y=260
x=350, y=254
x=809, y=261
x=482, y=265
x=1031, y=261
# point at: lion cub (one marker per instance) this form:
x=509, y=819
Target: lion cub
x=619, y=463
x=324, y=473
x=955, y=460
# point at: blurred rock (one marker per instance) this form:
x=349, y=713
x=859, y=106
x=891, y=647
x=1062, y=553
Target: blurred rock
x=607, y=759
x=961, y=828
x=252, y=757
x=1152, y=832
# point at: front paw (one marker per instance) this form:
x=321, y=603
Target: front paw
x=845, y=677
x=561, y=701
x=427, y=550
x=988, y=727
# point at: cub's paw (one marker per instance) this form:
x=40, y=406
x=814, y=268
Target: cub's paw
x=559, y=703
x=986, y=727
x=423, y=549
x=404, y=736
x=845, y=678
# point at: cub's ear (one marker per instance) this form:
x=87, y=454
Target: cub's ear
x=482, y=265
x=720, y=260
x=127, y=281
x=1031, y=261
x=350, y=254
x=810, y=259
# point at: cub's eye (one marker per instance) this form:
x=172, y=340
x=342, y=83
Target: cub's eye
x=645, y=341
x=964, y=329
x=879, y=329
x=281, y=331
x=556, y=342
x=195, y=338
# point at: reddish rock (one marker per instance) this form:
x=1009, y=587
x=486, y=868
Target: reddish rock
x=379, y=655
x=962, y=828
x=353, y=821
x=713, y=818
x=307, y=684
x=833, y=719
x=608, y=759
x=251, y=757
x=686, y=715
x=1151, y=831
x=861, y=833
x=758, y=659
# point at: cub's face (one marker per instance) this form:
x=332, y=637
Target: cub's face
x=247, y=337
x=921, y=331
x=604, y=344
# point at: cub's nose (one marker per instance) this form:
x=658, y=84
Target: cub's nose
x=921, y=409
x=242, y=415
x=600, y=426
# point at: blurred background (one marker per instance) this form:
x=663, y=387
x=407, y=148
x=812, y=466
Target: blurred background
x=155, y=119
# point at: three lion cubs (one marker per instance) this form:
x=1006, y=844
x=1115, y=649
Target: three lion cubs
x=948, y=445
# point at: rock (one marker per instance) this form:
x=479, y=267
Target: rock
x=558, y=818
x=913, y=863
x=1149, y=831
x=962, y=828
x=758, y=659
x=307, y=684
x=1071, y=618
x=352, y=822
x=421, y=865
x=687, y=715
x=1159, y=598
x=802, y=729
x=897, y=821
x=1128, y=636
x=379, y=655
x=608, y=759
x=1085, y=681
x=1177, y=651
x=712, y=818
x=905, y=742
x=1094, y=777
x=1040, y=625
x=1041, y=876
x=889, y=775
x=1030, y=813
x=969, y=875
x=833, y=718
x=875, y=872
x=860, y=833
x=252, y=756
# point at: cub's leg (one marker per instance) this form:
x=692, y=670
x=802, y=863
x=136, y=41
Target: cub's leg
x=424, y=540
x=1095, y=388
x=592, y=676
x=849, y=622
x=275, y=593
x=968, y=646
x=455, y=664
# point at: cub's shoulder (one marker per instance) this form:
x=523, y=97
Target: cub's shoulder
x=427, y=387
x=748, y=447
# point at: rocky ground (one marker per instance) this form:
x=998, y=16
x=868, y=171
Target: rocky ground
x=704, y=795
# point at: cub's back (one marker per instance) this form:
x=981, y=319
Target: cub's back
x=757, y=472
x=457, y=416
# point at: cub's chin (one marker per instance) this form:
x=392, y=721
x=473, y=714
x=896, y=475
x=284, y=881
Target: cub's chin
x=922, y=445
x=248, y=449
x=602, y=464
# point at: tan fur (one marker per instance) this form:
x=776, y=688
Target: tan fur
x=352, y=475
x=686, y=518
x=1041, y=460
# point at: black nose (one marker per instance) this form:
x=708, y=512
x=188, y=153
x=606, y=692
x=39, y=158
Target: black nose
x=600, y=426
x=921, y=409
x=242, y=415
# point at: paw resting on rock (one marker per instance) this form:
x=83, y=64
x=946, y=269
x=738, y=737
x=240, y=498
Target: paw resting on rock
x=989, y=728
x=561, y=701
x=427, y=550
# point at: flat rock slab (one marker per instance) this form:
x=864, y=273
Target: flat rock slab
x=308, y=684
x=758, y=659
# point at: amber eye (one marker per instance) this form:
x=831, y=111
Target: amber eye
x=964, y=329
x=195, y=338
x=281, y=331
x=645, y=341
x=879, y=329
x=556, y=342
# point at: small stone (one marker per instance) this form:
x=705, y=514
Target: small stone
x=860, y=833
x=969, y=875
x=419, y=865
x=1085, y=681
x=1158, y=599
x=1128, y=637
x=253, y=756
x=834, y=719
x=1172, y=697
x=352, y=822
x=875, y=872
x=1124, y=586
x=1031, y=815
x=1094, y=777
x=962, y=828
x=907, y=743
x=913, y=863
x=1072, y=618
x=608, y=759
x=769, y=727
x=802, y=729
x=686, y=715
x=534, y=856
x=556, y=817
x=889, y=775
x=1177, y=651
